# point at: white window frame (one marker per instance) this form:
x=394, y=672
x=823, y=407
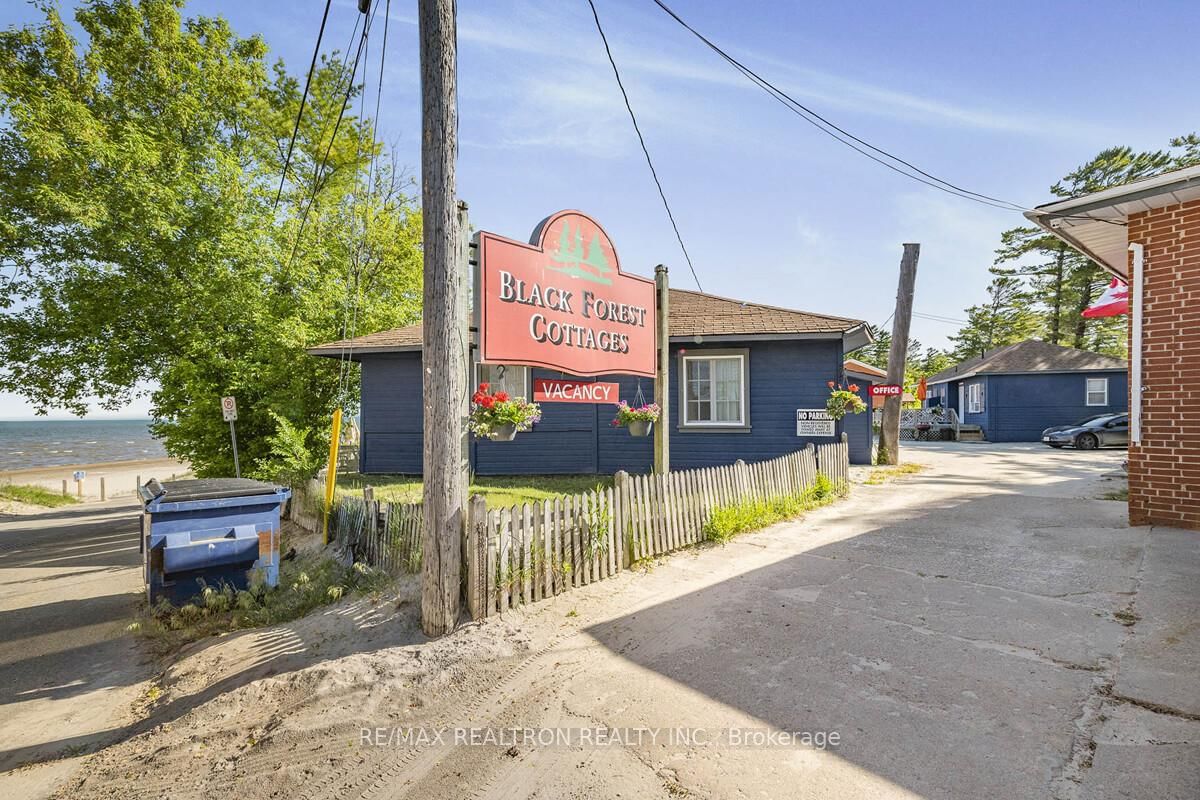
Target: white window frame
x=975, y=401
x=1087, y=391
x=525, y=377
x=743, y=396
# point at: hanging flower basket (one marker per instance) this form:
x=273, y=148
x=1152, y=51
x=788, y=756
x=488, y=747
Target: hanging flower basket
x=504, y=432
x=640, y=427
x=844, y=400
x=639, y=420
x=496, y=416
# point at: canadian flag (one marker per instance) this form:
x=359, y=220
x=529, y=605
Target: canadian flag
x=1113, y=302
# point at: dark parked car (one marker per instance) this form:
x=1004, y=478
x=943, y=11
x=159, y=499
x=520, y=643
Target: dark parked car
x=1102, y=430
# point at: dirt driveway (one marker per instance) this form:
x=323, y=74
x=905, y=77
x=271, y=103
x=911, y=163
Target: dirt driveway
x=987, y=628
x=69, y=673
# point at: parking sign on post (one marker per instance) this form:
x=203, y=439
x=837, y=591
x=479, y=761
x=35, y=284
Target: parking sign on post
x=229, y=413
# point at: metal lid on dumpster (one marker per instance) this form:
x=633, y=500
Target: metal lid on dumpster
x=214, y=489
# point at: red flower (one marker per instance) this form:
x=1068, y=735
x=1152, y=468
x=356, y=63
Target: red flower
x=487, y=401
x=854, y=387
x=501, y=397
x=483, y=387
x=830, y=384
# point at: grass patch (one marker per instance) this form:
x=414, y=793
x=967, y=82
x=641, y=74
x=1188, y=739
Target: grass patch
x=34, y=495
x=883, y=474
x=1120, y=494
x=728, y=521
x=499, y=492
x=305, y=584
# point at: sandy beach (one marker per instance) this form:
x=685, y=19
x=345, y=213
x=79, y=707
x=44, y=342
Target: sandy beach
x=120, y=477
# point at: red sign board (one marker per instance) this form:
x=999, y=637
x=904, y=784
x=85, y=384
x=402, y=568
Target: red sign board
x=547, y=390
x=563, y=303
x=886, y=390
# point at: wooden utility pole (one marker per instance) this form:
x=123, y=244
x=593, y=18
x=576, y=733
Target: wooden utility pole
x=889, y=430
x=444, y=365
x=662, y=388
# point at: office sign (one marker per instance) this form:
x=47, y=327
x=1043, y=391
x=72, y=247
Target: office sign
x=562, y=302
x=551, y=390
x=886, y=390
x=814, y=422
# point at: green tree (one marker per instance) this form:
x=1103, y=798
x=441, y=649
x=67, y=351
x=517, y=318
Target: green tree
x=1006, y=318
x=1057, y=282
x=140, y=168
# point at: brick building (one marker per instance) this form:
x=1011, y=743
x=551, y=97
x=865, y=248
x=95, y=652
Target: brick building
x=1148, y=233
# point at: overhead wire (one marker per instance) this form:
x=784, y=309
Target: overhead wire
x=848, y=139
x=642, y=141
x=319, y=171
x=353, y=262
x=303, y=99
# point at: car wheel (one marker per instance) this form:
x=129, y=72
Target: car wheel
x=1087, y=441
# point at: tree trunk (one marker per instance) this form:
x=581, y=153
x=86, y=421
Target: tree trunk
x=1056, y=304
x=444, y=387
x=1085, y=300
x=889, y=429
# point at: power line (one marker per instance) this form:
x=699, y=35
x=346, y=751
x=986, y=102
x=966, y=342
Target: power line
x=849, y=140
x=303, y=99
x=642, y=141
x=317, y=174
x=353, y=328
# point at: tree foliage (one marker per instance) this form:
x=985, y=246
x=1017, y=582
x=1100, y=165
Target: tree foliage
x=140, y=167
x=1041, y=285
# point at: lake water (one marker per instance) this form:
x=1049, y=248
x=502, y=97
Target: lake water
x=50, y=443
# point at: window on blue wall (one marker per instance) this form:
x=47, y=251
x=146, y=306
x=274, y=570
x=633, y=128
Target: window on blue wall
x=975, y=398
x=714, y=389
x=1097, y=391
x=505, y=378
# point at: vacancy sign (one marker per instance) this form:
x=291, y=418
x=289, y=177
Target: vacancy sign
x=886, y=390
x=562, y=302
x=550, y=390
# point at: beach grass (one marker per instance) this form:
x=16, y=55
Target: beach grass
x=33, y=495
x=499, y=492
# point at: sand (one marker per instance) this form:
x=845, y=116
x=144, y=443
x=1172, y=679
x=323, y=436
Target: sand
x=120, y=477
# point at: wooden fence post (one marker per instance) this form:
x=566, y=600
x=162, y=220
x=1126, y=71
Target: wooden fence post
x=477, y=536
x=743, y=485
x=620, y=514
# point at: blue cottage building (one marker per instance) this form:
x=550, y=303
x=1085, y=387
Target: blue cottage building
x=739, y=374
x=1013, y=393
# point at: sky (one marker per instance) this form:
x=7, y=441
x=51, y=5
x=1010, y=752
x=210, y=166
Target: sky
x=1001, y=98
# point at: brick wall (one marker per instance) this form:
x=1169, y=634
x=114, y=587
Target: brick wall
x=1164, y=470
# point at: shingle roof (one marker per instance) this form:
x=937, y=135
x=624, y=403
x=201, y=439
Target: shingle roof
x=863, y=368
x=1029, y=356
x=692, y=314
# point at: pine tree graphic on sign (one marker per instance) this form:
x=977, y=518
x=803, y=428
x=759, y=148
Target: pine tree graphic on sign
x=569, y=258
x=597, y=261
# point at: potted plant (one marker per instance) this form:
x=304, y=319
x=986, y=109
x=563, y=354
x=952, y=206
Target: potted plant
x=844, y=400
x=639, y=420
x=496, y=416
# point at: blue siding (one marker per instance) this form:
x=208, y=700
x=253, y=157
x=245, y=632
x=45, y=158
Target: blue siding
x=980, y=419
x=858, y=426
x=939, y=395
x=391, y=415
x=1022, y=406
x=578, y=438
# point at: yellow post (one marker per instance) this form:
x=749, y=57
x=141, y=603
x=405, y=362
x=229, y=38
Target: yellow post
x=331, y=470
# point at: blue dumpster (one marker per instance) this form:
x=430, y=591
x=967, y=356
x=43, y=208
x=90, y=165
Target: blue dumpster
x=209, y=532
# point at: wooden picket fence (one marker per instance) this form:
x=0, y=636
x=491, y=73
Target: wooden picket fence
x=384, y=535
x=537, y=550
x=526, y=553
